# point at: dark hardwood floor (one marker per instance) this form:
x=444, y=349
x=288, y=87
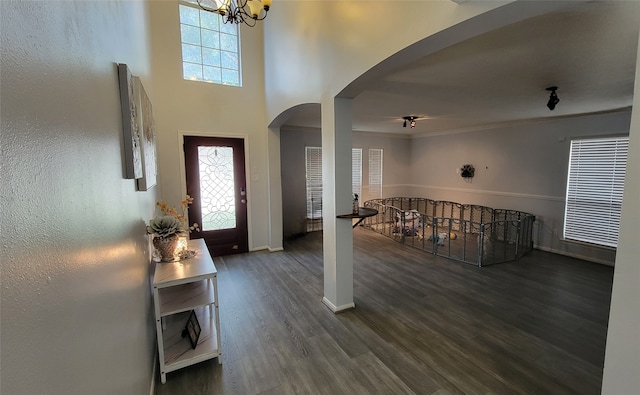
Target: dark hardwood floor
x=422, y=325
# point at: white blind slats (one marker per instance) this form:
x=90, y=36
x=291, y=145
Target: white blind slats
x=356, y=172
x=375, y=173
x=595, y=186
x=313, y=172
x=313, y=157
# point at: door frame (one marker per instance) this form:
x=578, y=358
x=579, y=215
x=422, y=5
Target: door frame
x=247, y=171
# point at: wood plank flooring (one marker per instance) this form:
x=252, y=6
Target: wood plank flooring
x=422, y=325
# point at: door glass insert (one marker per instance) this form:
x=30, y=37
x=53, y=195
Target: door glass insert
x=217, y=187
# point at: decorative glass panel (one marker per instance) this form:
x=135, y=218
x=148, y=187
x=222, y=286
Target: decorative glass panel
x=217, y=188
x=190, y=34
x=212, y=74
x=189, y=16
x=230, y=77
x=229, y=43
x=209, y=21
x=229, y=28
x=229, y=60
x=210, y=39
x=192, y=71
x=210, y=57
x=191, y=53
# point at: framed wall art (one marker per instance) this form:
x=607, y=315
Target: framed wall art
x=147, y=130
x=130, y=123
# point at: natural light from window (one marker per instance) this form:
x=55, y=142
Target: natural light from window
x=313, y=176
x=210, y=48
x=595, y=186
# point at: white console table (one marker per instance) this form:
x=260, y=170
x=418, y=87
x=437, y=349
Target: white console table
x=178, y=288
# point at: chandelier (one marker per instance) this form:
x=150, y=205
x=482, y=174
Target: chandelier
x=238, y=11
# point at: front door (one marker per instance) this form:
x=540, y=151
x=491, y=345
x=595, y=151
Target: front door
x=216, y=181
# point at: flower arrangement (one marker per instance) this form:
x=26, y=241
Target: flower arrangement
x=171, y=221
x=167, y=229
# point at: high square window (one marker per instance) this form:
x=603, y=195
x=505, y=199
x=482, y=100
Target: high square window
x=210, y=48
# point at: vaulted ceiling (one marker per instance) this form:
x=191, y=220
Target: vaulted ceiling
x=588, y=51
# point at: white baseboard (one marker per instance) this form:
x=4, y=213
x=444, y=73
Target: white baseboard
x=574, y=255
x=276, y=249
x=154, y=369
x=338, y=309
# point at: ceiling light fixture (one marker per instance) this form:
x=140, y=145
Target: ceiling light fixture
x=238, y=11
x=553, y=98
x=411, y=119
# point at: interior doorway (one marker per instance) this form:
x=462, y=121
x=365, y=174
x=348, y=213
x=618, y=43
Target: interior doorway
x=215, y=175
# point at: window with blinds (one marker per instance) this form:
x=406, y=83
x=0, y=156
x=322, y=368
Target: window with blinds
x=595, y=186
x=375, y=173
x=313, y=158
x=356, y=172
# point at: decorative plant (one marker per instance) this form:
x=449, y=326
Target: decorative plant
x=164, y=226
x=171, y=221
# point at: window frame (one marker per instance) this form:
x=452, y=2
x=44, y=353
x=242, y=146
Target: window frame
x=313, y=182
x=356, y=172
x=210, y=44
x=594, y=190
x=375, y=168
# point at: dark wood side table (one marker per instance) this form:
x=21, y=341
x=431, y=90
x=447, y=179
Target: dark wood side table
x=363, y=212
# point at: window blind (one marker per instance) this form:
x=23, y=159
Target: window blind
x=356, y=172
x=375, y=173
x=595, y=186
x=313, y=158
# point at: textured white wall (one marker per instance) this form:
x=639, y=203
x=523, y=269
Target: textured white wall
x=76, y=308
x=315, y=48
x=200, y=108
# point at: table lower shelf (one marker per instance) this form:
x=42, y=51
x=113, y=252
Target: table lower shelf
x=177, y=349
x=182, y=297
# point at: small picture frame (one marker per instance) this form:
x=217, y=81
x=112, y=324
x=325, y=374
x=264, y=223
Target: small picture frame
x=192, y=329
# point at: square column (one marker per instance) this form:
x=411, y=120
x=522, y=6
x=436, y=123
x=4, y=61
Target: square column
x=274, y=183
x=336, y=200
